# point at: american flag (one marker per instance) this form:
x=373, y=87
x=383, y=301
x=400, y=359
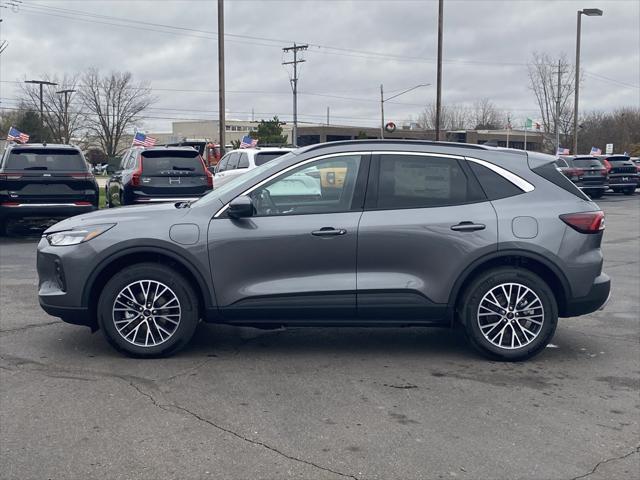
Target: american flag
x=248, y=142
x=144, y=140
x=562, y=151
x=595, y=151
x=17, y=136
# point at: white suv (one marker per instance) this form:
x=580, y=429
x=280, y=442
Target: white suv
x=238, y=162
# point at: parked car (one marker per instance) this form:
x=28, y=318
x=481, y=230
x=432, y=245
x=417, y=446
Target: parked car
x=623, y=174
x=158, y=174
x=45, y=181
x=587, y=173
x=418, y=234
x=239, y=162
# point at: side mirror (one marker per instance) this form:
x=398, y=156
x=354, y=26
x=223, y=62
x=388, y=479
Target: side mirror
x=241, y=207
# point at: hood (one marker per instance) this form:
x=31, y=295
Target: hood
x=129, y=214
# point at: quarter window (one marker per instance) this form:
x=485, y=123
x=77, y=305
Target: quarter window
x=233, y=161
x=222, y=165
x=420, y=181
x=494, y=185
x=325, y=186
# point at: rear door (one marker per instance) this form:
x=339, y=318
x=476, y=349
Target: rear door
x=426, y=218
x=168, y=174
x=48, y=176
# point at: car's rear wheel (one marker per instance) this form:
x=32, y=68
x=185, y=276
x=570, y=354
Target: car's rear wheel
x=509, y=314
x=148, y=310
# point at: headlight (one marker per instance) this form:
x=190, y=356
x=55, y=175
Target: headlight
x=77, y=235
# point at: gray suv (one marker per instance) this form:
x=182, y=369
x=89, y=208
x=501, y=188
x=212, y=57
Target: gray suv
x=356, y=233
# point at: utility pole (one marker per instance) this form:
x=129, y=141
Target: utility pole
x=381, y=112
x=221, y=107
x=294, y=85
x=557, y=122
x=66, y=112
x=439, y=87
x=41, y=83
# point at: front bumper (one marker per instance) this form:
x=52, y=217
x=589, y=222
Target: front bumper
x=61, y=278
x=596, y=299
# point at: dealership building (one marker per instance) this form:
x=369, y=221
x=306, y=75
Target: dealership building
x=309, y=134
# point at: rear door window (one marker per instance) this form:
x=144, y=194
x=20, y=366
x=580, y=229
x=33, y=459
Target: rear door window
x=162, y=162
x=222, y=165
x=49, y=159
x=420, y=181
x=233, y=161
x=244, y=161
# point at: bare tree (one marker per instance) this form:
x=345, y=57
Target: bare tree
x=543, y=81
x=452, y=117
x=620, y=127
x=59, y=117
x=485, y=116
x=112, y=104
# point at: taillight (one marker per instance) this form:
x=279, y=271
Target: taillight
x=5, y=176
x=604, y=172
x=574, y=173
x=80, y=176
x=135, y=178
x=607, y=165
x=585, y=222
x=207, y=173
x=82, y=204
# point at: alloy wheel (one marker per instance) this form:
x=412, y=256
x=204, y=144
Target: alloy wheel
x=146, y=313
x=510, y=316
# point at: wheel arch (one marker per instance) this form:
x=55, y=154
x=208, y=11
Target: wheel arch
x=531, y=261
x=135, y=255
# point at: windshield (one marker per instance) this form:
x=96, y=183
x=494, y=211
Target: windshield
x=246, y=177
x=163, y=162
x=264, y=157
x=49, y=159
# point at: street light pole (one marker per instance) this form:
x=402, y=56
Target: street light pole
x=41, y=83
x=66, y=112
x=590, y=12
x=221, y=107
x=382, y=100
x=439, y=86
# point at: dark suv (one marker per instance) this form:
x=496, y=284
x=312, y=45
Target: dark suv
x=44, y=181
x=357, y=233
x=623, y=174
x=588, y=174
x=158, y=174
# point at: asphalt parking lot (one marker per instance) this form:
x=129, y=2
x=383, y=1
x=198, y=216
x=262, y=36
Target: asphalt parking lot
x=322, y=403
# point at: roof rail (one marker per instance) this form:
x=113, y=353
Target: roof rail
x=389, y=141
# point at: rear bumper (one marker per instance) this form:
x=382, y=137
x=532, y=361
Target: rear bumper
x=44, y=210
x=596, y=299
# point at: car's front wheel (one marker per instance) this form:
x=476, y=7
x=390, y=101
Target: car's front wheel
x=148, y=310
x=629, y=191
x=509, y=314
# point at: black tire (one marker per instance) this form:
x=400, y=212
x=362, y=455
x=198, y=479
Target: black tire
x=596, y=193
x=178, y=285
x=616, y=190
x=3, y=226
x=629, y=191
x=469, y=308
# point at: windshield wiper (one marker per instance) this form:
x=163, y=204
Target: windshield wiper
x=36, y=168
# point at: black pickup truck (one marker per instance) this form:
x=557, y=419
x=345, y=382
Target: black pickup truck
x=44, y=181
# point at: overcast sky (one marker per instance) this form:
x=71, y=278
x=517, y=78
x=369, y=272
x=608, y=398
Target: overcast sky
x=354, y=47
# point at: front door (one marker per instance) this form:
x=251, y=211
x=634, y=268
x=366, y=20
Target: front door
x=295, y=258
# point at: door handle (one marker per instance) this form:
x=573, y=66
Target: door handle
x=468, y=227
x=329, y=232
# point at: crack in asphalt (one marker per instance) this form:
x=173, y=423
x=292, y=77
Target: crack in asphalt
x=28, y=327
x=602, y=462
x=168, y=406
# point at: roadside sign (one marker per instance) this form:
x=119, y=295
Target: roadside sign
x=609, y=149
x=390, y=127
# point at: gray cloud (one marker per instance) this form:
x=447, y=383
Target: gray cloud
x=486, y=47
